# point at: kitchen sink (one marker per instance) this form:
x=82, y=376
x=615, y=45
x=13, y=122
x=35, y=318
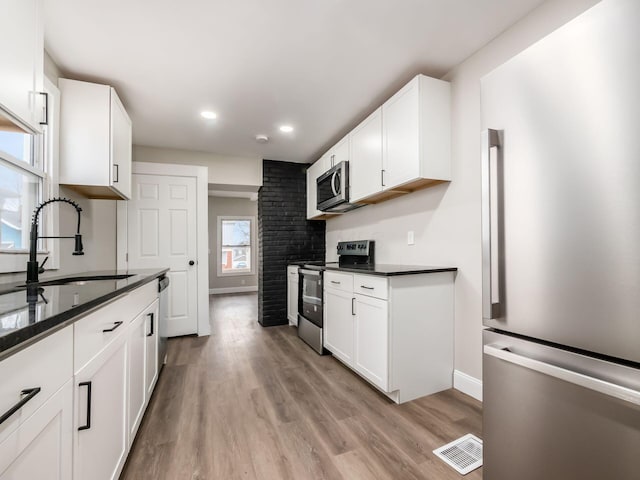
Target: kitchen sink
x=78, y=280
x=82, y=280
x=72, y=280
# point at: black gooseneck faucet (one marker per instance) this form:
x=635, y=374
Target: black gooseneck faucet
x=33, y=269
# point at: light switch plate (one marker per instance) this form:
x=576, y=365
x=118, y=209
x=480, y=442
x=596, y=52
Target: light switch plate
x=410, y=238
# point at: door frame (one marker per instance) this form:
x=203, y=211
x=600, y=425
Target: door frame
x=201, y=174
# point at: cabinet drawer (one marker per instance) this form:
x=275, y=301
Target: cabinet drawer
x=371, y=286
x=89, y=333
x=339, y=281
x=47, y=365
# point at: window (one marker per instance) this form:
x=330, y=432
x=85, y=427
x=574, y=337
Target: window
x=21, y=184
x=235, y=249
x=27, y=176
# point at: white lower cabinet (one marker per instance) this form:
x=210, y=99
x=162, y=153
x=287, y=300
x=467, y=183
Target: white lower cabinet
x=372, y=339
x=41, y=447
x=81, y=425
x=339, y=323
x=396, y=332
x=151, y=319
x=100, y=420
x=292, y=295
x=136, y=347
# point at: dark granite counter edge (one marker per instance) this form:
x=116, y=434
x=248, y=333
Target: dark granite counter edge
x=23, y=338
x=417, y=271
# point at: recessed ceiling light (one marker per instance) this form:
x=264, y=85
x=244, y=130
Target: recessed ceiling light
x=209, y=115
x=286, y=128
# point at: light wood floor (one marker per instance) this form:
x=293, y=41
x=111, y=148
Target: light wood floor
x=257, y=403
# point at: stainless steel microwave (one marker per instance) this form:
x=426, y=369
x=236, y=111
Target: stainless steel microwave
x=333, y=189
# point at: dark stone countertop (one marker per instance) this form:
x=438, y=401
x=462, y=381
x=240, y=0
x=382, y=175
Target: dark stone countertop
x=22, y=323
x=388, y=270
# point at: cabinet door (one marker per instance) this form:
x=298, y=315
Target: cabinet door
x=100, y=407
x=41, y=448
x=313, y=172
x=120, y=147
x=338, y=324
x=339, y=153
x=292, y=301
x=22, y=59
x=365, y=165
x=400, y=136
x=136, y=347
x=372, y=340
x=152, y=339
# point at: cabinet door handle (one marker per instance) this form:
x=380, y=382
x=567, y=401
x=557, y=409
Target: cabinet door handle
x=382, y=178
x=117, y=173
x=87, y=424
x=336, y=283
x=353, y=306
x=46, y=108
x=368, y=288
x=27, y=394
x=115, y=325
x=151, y=315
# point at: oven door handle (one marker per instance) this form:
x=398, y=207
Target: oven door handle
x=314, y=273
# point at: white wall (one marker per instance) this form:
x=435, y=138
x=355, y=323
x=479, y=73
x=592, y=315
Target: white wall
x=223, y=169
x=226, y=206
x=446, y=218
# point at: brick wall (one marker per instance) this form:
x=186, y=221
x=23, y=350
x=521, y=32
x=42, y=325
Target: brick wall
x=284, y=235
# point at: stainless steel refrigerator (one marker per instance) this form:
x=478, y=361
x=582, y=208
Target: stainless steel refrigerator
x=561, y=253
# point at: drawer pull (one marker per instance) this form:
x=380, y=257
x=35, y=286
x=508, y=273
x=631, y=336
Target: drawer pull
x=115, y=325
x=368, y=288
x=87, y=425
x=27, y=394
x=335, y=283
x=151, y=315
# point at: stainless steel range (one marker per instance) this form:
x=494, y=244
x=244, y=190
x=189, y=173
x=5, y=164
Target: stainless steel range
x=310, y=298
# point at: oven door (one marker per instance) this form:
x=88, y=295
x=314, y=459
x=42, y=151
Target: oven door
x=333, y=187
x=310, y=298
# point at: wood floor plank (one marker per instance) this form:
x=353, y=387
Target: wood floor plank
x=257, y=403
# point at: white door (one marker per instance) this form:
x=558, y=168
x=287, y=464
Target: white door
x=338, y=324
x=161, y=217
x=400, y=136
x=372, y=340
x=365, y=176
x=151, y=336
x=100, y=411
x=136, y=346
x=41, y=447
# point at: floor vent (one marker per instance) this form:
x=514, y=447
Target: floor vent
x=464, y=454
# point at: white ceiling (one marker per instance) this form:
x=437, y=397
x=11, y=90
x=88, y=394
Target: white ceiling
x=319, y=65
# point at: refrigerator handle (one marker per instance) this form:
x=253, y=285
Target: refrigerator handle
x=592, y=383
x=492, y=257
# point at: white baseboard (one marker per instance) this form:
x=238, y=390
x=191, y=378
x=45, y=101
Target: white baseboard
x=467, y=384
x=216, y=291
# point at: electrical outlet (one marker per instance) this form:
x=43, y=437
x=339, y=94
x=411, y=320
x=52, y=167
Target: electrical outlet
x=410, y=238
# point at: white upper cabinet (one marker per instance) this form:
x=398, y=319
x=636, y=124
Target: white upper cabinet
x=338, y=153
x=416, y=136
x=365, y=166
x=95, y=141
x=22, y=61
x=313, y=172
x=403, y=146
